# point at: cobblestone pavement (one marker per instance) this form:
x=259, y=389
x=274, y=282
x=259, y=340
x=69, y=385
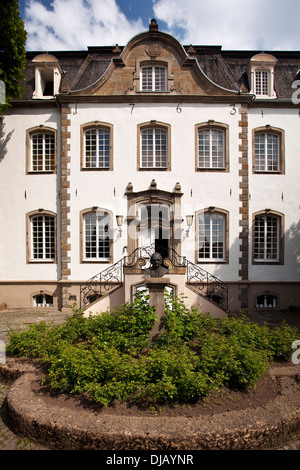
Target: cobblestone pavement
x=21, y=319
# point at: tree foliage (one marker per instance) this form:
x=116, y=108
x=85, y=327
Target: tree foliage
x=12, y=51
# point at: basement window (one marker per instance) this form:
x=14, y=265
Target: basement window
x=43, y=300
x=266, y=301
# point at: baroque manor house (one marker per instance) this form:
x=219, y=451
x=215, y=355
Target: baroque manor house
x=114, y=153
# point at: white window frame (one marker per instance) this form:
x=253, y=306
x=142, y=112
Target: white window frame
x=106, y=153
x=264, y=240
x=213, y=134
x=44, y=303
x=43, y=155
x=262, y=82
x=40, y=237
x=266, y=152
x=214, y=236
x=102, y=219
x=146, y=153
x=154, y=78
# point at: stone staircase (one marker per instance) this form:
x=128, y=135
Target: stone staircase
x=197, y=279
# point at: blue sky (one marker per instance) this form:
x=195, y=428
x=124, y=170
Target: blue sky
x=75, y=24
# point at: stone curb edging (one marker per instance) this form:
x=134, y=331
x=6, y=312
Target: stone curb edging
x=60, y=428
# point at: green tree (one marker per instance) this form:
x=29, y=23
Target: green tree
x=12, y=52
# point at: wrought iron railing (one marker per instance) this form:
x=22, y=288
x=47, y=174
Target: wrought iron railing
x=105, y=281
x=207, y=284
x=101, y=284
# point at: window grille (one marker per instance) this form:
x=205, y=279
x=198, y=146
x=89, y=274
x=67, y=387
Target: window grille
x=154, y=148
x=211, y=148
x=266, y=301
x=43, y=237
x=154, y=78
x=42, y=151
x=97, y=243
x=97, y=148
x=267, y=152
x=266, y=238
x=262, y=83
x=211, y=237
x=43, y=300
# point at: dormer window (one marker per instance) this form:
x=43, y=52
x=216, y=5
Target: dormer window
x=47, y=76
x=261, y=75
x=262, y=80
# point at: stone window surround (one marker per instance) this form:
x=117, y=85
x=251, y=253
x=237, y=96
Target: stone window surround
x=212, y=210
x=262, y=62
x=95, y=125
x=29, y=132
x=268, y=129
x=29, y=215
x=280, y=216
x=153, y=125
x=142, y=62
x=84, y=260
x=211, y=124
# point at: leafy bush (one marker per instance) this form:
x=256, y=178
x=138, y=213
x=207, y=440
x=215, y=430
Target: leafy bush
x=111, y=357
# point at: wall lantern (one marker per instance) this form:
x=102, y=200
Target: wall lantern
x=119, y=222
x=189, y=222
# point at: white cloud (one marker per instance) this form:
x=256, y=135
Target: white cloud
x=76, y=24
x=259, y=24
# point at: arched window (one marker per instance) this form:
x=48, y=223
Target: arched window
x=96, y=235
x=212, y=146
x=154, y=78
x=212, y=233
x=267, y=237
x=268, y=150
x=41, y=150
x=154, y=146
x=96, y=146
x=41, y=233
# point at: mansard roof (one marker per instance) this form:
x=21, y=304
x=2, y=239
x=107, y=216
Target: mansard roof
x=81, y=70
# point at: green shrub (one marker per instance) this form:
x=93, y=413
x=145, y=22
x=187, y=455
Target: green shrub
x=110, y=356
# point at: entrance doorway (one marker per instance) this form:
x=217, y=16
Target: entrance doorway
x=155, y=228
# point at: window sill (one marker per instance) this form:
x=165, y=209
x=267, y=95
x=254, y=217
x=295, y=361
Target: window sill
x=97, y=261
x=41, y=172
x=154, y=169
x=41, y=261
x=222, y=170
x=96, y=168
x=262, y=172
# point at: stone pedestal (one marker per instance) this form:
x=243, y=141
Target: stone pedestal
x=156, y=288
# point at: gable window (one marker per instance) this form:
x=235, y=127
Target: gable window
x=154, y=146
x=267, y=238
x=96, y=147
x=96, y=236
x=154, y=78
x=268, y=150
x=42, y=242
x=41, y=150
x=212, y=146
x=212, y=236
